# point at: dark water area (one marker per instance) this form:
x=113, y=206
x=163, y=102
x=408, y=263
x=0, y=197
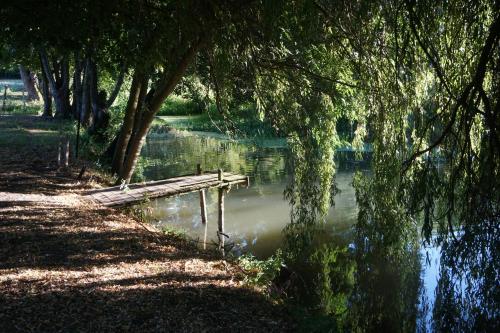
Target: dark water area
x=363, y=286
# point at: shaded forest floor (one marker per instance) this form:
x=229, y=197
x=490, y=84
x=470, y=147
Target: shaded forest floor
x=67, y=265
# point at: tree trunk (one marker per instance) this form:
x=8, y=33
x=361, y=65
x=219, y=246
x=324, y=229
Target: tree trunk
x=46, y=96
x=29, y=84
x=116, y=89
x=59, y=84
x=94, y=100
x=135, y=146
x=85, y=108
x=98, y=100
x=64, y=89
x=152, y=104
x=77, y=88
x=128, y=123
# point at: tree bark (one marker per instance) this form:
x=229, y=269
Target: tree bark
x=98, y=101
x=63, y=91
x=77, y=88
x=128, y=123
x=94, y=101
x=116, y=89
x=59, y=84
x=29, y=84
x=152, y=104
x=85, y=111
x=46, y=96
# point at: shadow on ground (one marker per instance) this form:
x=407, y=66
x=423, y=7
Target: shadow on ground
x=69, y=266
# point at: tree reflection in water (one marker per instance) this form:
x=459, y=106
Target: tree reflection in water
x=467, y=293
x=375, y=278
x=376, y=283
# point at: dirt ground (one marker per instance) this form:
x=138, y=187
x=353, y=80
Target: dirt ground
x=67, y=265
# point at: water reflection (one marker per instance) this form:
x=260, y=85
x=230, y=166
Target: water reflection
x=254, y=217
x=370, y=271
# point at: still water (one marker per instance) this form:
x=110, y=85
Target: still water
x=391, y=293
x=254, y=216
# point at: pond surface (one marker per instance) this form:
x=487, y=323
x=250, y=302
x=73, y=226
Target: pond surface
x=254, y=216
x=404, y=292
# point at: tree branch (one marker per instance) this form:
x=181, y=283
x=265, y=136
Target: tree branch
x=116, y=89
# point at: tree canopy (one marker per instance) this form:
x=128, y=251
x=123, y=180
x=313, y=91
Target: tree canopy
x=419, y=79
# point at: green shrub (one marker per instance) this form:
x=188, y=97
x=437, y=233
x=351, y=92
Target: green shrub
x=179, y=106
x=261, y=272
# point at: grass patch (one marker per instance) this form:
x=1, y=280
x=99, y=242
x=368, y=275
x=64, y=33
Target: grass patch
x=213, y=122
x=15, y=103
x=29, y=109
x=186, y=115
x=18, y=131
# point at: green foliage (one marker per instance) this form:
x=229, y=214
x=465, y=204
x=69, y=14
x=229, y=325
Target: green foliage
x=336, y=279
x=138, y=175
x=141, y=211
x=261, y=272
x=95, y=145
x=176, y=232
x=179, y=106
x=243, y=126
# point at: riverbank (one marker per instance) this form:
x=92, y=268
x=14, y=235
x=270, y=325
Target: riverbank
x=240, y=126
x=69, y=265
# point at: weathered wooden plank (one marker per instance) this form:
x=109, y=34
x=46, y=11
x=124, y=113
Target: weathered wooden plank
x=116, y=196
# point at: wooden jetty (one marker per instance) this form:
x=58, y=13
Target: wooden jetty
x=136, y=193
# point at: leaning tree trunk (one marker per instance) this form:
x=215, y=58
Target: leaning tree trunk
x=128, y=122
x=117, y=87
x=148, y=110
x=29, y=83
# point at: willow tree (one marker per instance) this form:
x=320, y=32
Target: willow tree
x=226, y=34
x=166, y=38
x=429, y=77
x=424, y=79
x=461, y=42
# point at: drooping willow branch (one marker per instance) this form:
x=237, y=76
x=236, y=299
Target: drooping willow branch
x=469, y=94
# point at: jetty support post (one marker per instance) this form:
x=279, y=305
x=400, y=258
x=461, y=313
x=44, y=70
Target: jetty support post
x=220, y=232
x=203, y=207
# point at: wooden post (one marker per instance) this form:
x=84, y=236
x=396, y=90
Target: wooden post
x=220, y=232
x=205, y=237
x=221, y=219
x=203, y=204
x=203, y=207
